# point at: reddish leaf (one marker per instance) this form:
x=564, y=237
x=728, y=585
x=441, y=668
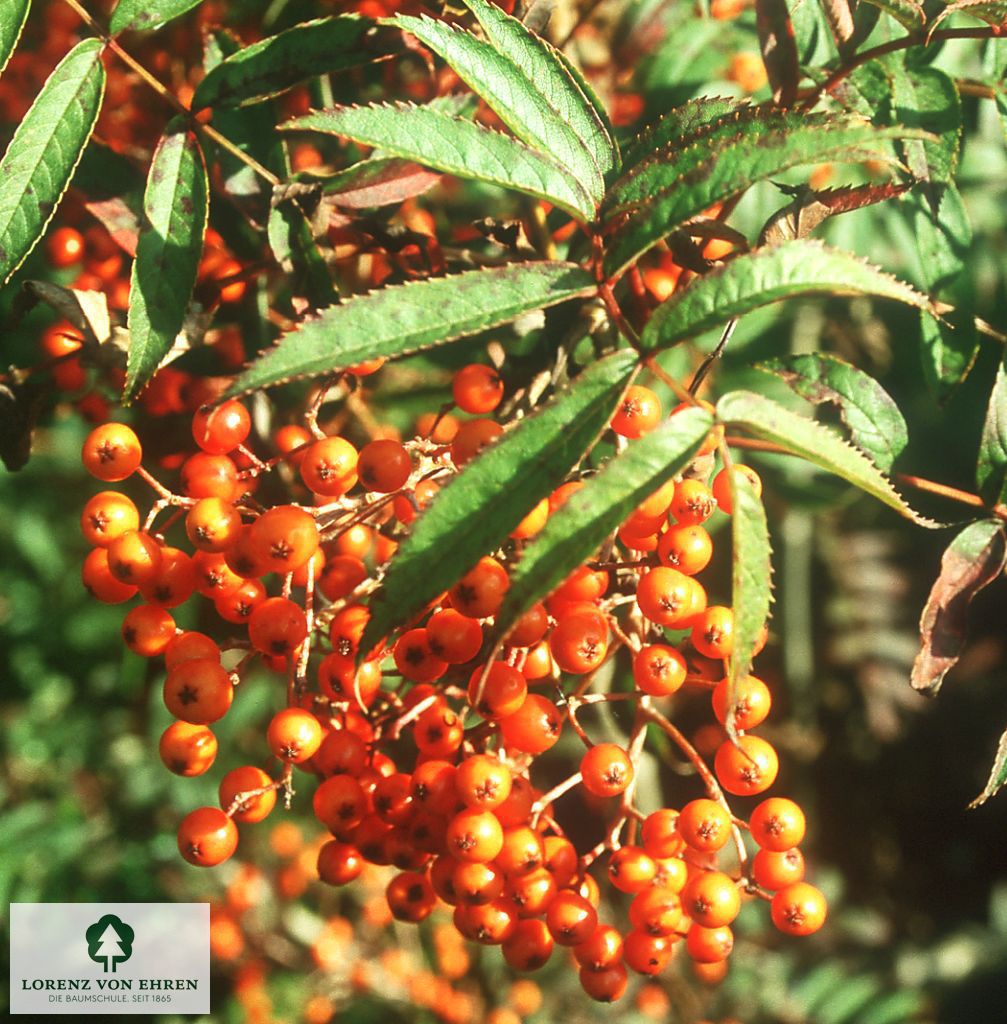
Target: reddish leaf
x=972, y=561
x=119, y=220
x=779, y=50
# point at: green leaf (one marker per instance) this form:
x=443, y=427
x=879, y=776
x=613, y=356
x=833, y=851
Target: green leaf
x=905, y=12
x=544, y=66
x=801, y=267
x=875, y=423
x=575, y=531
x=407, y=318
x=678, y=125
x=973, y=560
x=280, y=62
x=813, y=442
x=454, y=146
x=295, y=248
x=11, y=26
x=751, y=580
x=45, y=149
x=928, y=98
x=725, y=158
x=998, y=774
x=477, y=510
x=515, y=99
x=141, y=15
x=993, y=12
x=991, y=471
x=175, y=207
x=944, y=247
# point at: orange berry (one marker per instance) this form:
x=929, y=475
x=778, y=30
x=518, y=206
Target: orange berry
x=111, y=452
x=207, y=837
x=187, y=749
x=748, y=768
x=777, y=824
x=638, y=412
x=147, y=630
x=106, y=516
x=477, y=389
x=294, y=735
x=798, y=909
x=606, y=770
x=247, y=779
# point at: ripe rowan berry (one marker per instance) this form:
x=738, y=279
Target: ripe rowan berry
x=798, y=909
x=207, y=837
x=341, y=575
x=410, y=896
x=665, y=596
x=638, y=412
x=106, y=516
x=722, y=487
x=341, y=753
x=438, y=732
x=751, y=704
x=503, y=691
x=777, y=824
x=238, y=605
x=340, y=803
x=220, y=429
x=660, y=835
x=384, y=466
x=606, y=770
x=775, y=870
x=713, y=438
x=292, y=441
x=64, y=247
x=601, y=949
x=746, y=769
x=294, y=735
x=415, y=660
x=340, y=679
x=471, y=438
x=693, y=503
x=607, y=985
x=530, y=628
x=533, y=522
x=480, y=592
x=711, y=899
x=483, y=782
x=477, y=389
x=522, y=851
x=659, y=670
x=646, y=954
x=534, y=727
x=579, y=641
x=392, y=798
x=454, y=637
x=490, y=924
x=433, y=786
x=111, y=452
x=187, y=749
x=709, y=945
x=631, y=869
x=277, y=626
x=212, y=524
x=283, y=538
x=134, y=557
x=198, y=691
x=571, y=918
x=210, y=476
x=713, y=632
x=339, y=863
x=686, y=548
x=475, y=835
x=98, y=579
x=329, y=467
x=529, y=946
x=147, y=630
x=531, y=893
x=704, y=825
x=189, y=645
x=475, y=883
x=347, y=628
x=247, y=779
x=213, y=575
x=656, y=910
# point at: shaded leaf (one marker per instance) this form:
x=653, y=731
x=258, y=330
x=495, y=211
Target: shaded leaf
x=813, y=442
x=380, y=181
x=725, y=158
x=519, y=102
x=454, y=146
x=800, y=217
x=971, y=562
x=295, y=248
x=141, y=15
x=993, y=12
x=905, y=12
x=46, y=147
x=85, y=310
x=119, y=220
x=840, y=18
x=751, y=580
x=928, y=98
x=575, y=531
x=767, y=275
x=543, y=66
x=677, y=126
x=175, y=208
x=991, y=471
x=280, y=62
x=11, y=26
x=779, y=51
x=474, y=514
x=998, y=774
x=875, y=423
x=406, y=318
x=20, y=405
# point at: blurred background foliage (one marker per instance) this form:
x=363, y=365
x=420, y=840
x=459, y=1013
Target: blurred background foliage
x=917, y=883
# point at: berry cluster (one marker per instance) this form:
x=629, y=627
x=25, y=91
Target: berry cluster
x=423, y=750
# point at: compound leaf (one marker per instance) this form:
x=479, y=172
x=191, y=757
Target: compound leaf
x=46, y=147
x=813, y=442
x=280, y=62
x=521, y=104
x=140, y=15
x=972, y=561
x=801, y=267
x=454, y=146
x=677, y=125
x=175, y=208
x=876, y=425
x=406, y=318
x=575, y=531
x=991, y=471
x=477, y=510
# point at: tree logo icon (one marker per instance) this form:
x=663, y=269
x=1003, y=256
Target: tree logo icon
x=109, y=942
